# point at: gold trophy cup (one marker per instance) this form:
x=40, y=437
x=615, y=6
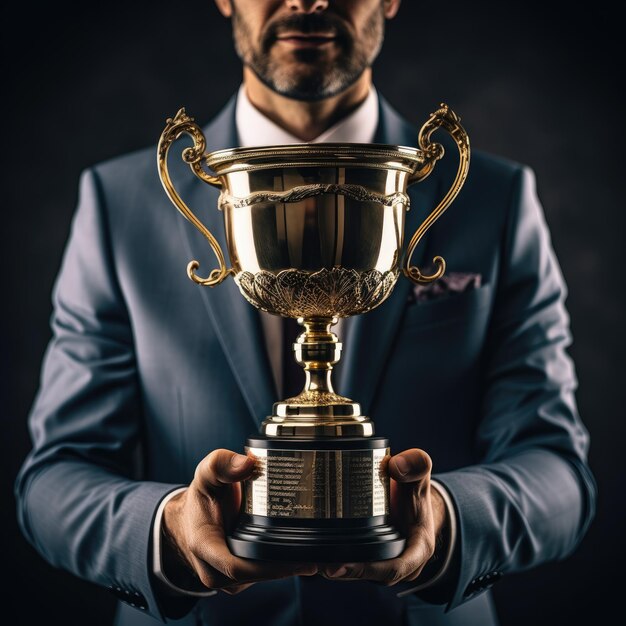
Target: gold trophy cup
x=315, y=232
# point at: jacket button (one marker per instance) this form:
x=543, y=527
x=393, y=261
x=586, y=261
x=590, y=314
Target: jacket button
x=481, y=583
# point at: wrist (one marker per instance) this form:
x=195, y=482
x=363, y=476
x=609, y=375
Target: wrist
x=441, y=527
x=171, y=537
x=176, y=567
x=436, y=572
x=174, y=573
x=441, y=523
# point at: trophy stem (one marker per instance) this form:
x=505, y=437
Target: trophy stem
x=318, y=380
x=317, y=350
x=317, y=410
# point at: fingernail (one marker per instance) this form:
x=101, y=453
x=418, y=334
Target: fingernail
x=402, y=465
x=342, y=571
x=237, y=461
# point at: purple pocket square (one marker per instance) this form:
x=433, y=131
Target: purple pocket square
x=450, y=283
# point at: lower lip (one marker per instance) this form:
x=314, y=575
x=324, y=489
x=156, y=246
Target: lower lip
x=306, y=42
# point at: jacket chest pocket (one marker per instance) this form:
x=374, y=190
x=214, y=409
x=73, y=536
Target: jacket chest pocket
x=469, y=306
x=440, y=342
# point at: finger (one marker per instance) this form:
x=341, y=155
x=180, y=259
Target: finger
x=222, y=568
x=212, y=508
x=221, y=468
x=411, y=507
x=407, y=567
x=389, y=572
x=419, y=548
x=235, y=589
x=410, y=466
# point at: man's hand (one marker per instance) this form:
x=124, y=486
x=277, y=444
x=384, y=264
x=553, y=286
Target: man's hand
x=417, y=511
x=196, y=523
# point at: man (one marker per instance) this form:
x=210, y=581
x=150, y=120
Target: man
x=144, y=365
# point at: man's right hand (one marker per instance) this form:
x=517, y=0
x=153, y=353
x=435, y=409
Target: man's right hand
x=197, y=520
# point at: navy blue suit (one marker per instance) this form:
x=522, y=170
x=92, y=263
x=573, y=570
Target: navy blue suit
x=147, y=372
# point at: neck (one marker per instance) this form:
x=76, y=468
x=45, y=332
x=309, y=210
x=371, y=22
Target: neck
x=305, y=120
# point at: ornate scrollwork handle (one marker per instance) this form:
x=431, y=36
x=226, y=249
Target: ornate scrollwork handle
x=446, y=118
x=194, y=156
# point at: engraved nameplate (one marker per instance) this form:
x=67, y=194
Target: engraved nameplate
x=318, y=483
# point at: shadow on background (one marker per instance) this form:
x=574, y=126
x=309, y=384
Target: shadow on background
x=87, y=85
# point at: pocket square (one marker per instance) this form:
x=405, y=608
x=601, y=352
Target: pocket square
x=448, y=284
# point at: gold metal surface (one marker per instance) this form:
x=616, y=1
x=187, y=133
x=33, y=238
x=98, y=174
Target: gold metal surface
x=445, y=118
x=317, y=410
x=313, y=234
x=314, y=426
x=296, y=194
x=318, y=484
x=179, y=125
x=305, y=208
x=315, y=231
x=371, y=156
x=337, y=292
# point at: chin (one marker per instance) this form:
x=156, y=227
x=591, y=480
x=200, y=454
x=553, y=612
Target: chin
x=302, y=71
x=304, y=88
x=302, y=57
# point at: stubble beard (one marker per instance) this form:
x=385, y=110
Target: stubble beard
x=309, y=75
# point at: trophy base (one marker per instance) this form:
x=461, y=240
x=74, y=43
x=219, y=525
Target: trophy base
x=317, y=500
x=315, y=541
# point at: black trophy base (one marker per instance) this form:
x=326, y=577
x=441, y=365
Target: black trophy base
x=322, y=500
x=315, y=541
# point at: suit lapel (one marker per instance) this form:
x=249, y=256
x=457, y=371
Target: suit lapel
x=370, y=337
x=237, y=323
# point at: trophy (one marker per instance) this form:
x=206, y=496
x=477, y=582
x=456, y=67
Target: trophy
x=315, y=232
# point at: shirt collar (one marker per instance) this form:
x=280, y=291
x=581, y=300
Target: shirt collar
x=255, y=129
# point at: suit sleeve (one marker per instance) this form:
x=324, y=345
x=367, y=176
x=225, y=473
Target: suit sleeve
x=78, y=503
x=531, y=497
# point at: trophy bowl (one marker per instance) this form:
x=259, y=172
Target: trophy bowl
x=315, y=232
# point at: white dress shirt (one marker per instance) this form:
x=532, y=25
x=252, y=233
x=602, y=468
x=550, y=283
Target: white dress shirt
x=255, y=129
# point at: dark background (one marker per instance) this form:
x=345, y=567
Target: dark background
x=535, y=85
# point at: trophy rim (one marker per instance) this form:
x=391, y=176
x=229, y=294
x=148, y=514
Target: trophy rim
x=389, y=156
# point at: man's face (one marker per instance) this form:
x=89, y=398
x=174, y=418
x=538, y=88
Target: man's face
x=308, y=50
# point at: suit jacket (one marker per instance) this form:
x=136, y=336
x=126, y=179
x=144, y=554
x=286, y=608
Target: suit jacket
x=142, y=359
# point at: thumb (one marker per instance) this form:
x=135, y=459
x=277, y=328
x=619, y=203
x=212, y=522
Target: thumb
x=410, y=466
x=221, y=468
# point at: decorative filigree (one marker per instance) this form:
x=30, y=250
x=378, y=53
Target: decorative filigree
x=313, y=397
x=445, y=118
x=181, y=124
x=295, y=194
x=338, y=292
x=195, y=155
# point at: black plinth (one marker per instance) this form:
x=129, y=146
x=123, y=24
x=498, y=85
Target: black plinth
x=317, y=539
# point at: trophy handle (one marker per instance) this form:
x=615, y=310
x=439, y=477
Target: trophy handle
x=182, y=123
x=446, y=118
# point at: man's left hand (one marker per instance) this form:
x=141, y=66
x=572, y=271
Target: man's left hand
x=418, y=512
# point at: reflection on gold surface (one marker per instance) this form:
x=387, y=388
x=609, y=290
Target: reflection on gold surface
x=315, y=231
